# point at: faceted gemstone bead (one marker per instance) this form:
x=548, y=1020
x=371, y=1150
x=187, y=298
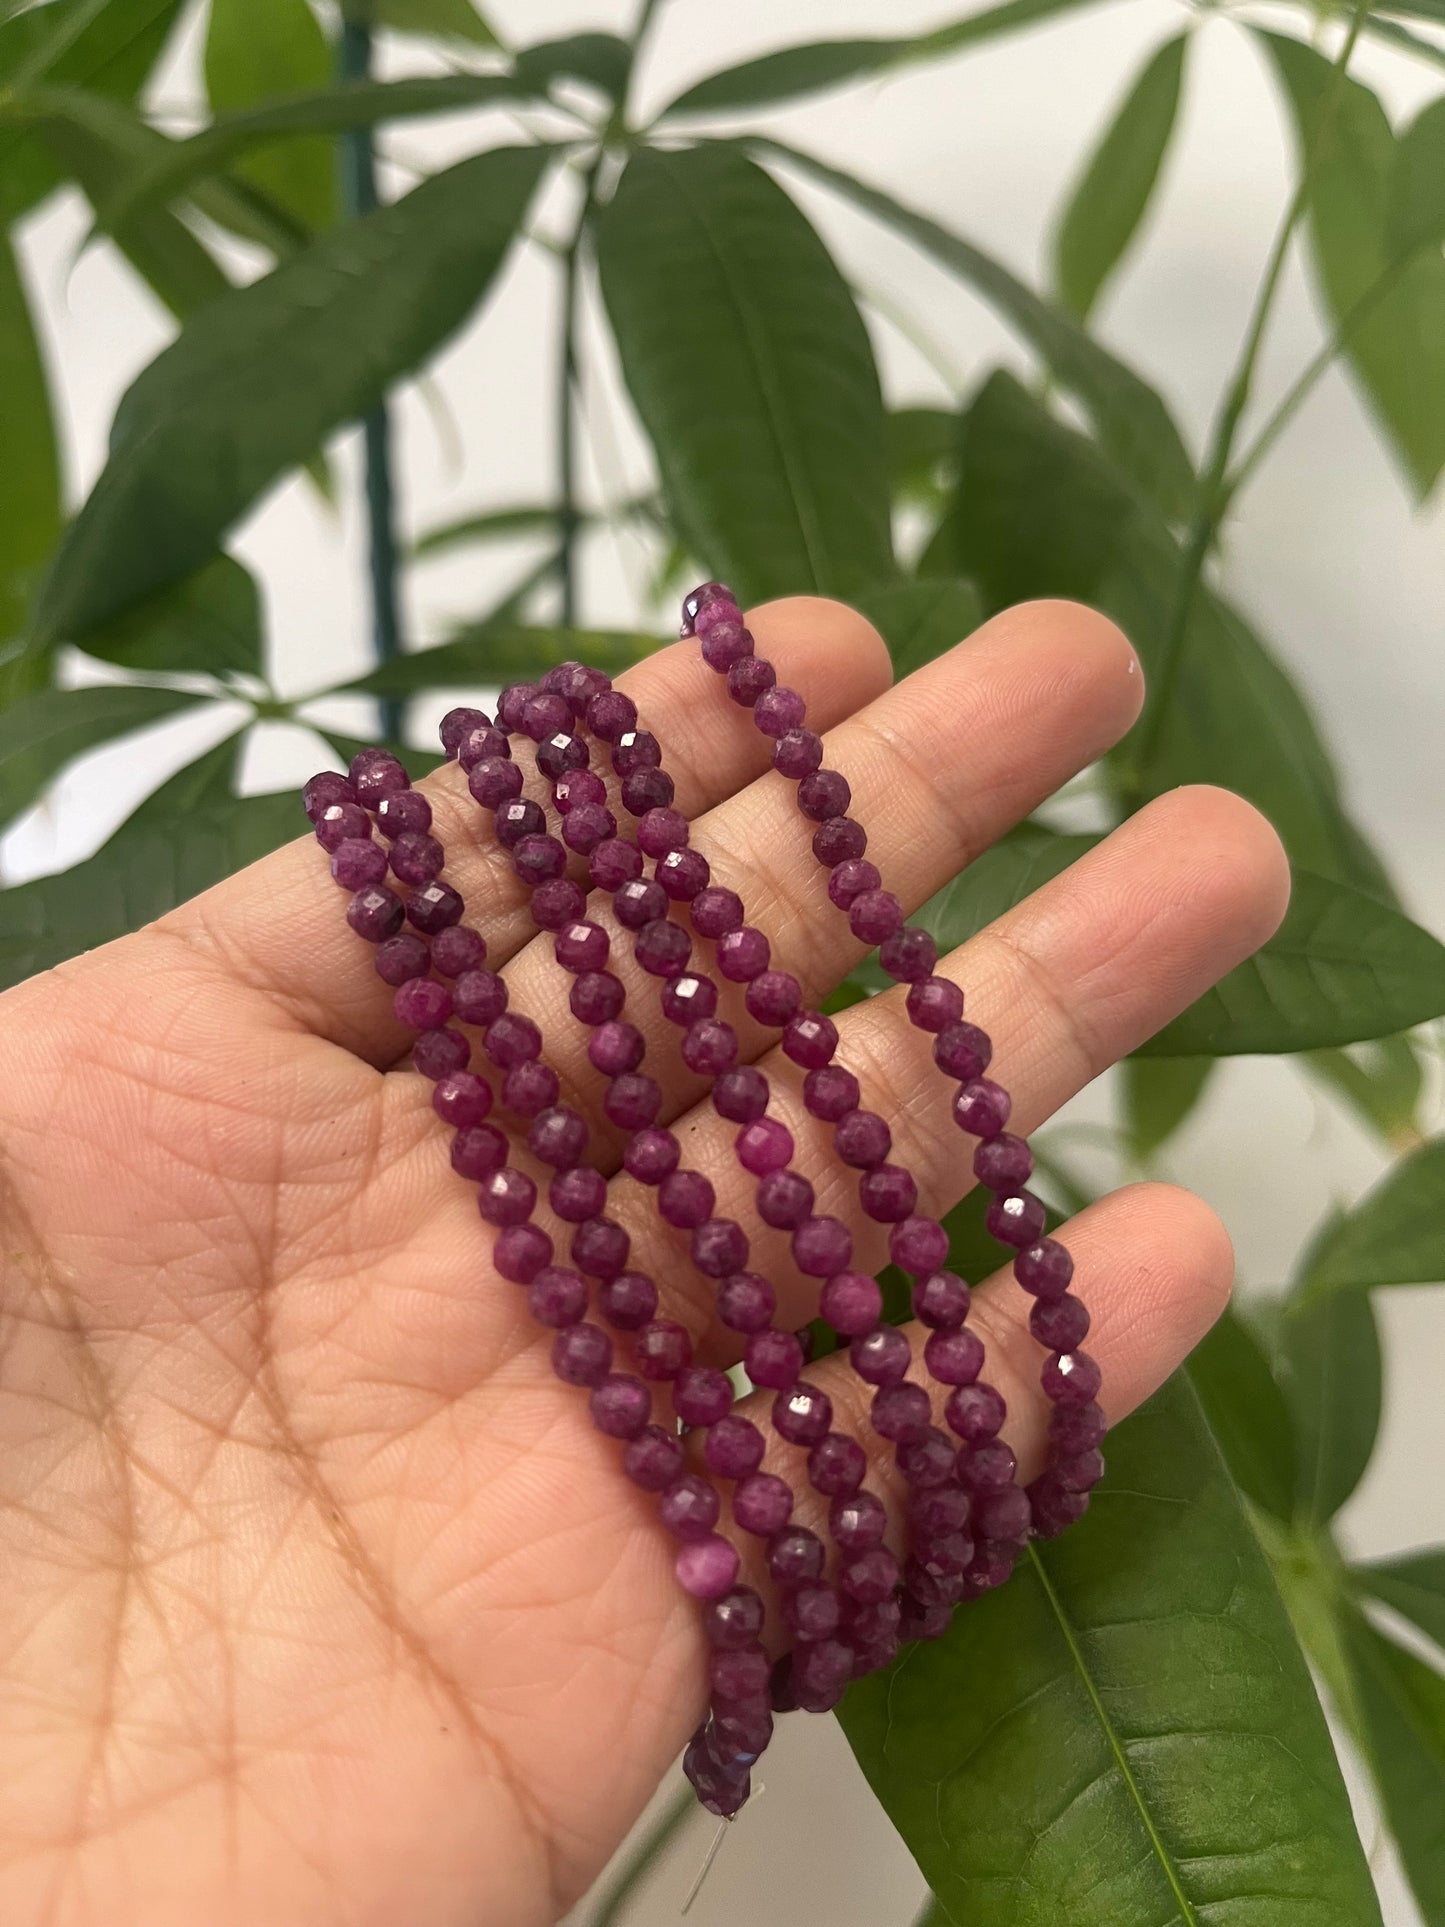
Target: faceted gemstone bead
x=798, y=753
x=416, y=857
x=830, y=1092
x=763, y=1146
x=811, y=1610
x=544, y=715
x=646, y=789
x=582, y=1354
x=457, y=950
x=707, y=1568
x=577, y=683
x=632, y=1101
x=810, y=1039
x=777, y=710
x=862, y=1139
x=745, y=1302
x=615, y=1047
x=702, y=1395
x=558, y=1136
x=837, y=1465
x=421, y=1003
x=988, y=1467
x=663, y=948
x=739, y=1674
x=696, y=600
x=853, y=878
x=821, y=1669
x=494, y=782
x=763, y=1504
x=512, y=1039
x=686, y=1199
x=735, y=1621
x=851, y=1303
x=909, y=955
x=725, y=643
x=1076, y=1428
x=918, y=1245
x=954, y=1357
x=455, y=725
x=653, y=1459
x=512, y=703
x=660, y=831
x=716, y=912
x=881, y=1356
x=934, y=1004
x=587, y=825
x=461, y=1099
x=357, y=861
x=937, y=1511
x=901, y=1411
x=1016, y=1219
x=636, y=749
x=748, y=679
x=328, y=786
x=1003, y=1163
x=869, y=1577
x=742, y=954
x=1044, y=1269
x=1080, y=1473
x=377, y=778
x=683, y=874
x=401, y=958
x=577, y=787
x=690, y=1507
x=1053, y=1508
x=652, y=1155
x=536, y=859
x=710, y=1047
x=478, y=1149
x=627, y=1301
x=556, y=902
x=888, y=1194
x=857, y=1521
x=610, y=715
x=434, y=907
x=578, y=1194
x=975, y=1412
x=822, y=793
x=437, y=1053
x=560, y=752
x=719, y=1248
x=784, y=1199
x=822, y=1246
x=962, y=1050
x=982, y=1108
x=1059, y=1324
x=479, y=997
x=941, y=1301
x=795, y=1557
x=342, y=823
x=773, y=997
x=874, y=915
x=662, y=1350
x=521, y=1251
x=596, y=997
x=506, y=1197
x=781, y=1692
x=741, y=1095
x=923, y=1622
x=803, y=1414
x=927, y=1587
x=928, y=1461
x=600, y=1248
x=516, y=819
x=839, y=840
x=1003, y=1515
x=773, y=1359
x=688, y=997
x=557, y=1297
x=1071, y=1378
x=613, y=863
x=734, y=1447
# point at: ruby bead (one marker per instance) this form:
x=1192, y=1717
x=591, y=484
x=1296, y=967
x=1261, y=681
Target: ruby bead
x=578, y=683
x=936, y=1511
x=934, y=1004
x=558, y=1136
x=773, y=1359
x=822, y=793
x=356, y=862
x=719, y=1248
x=1003, y=1515
x=494, y=782
x=874, y=915
x=578, y=1194
x=519, y=818
x=1053, y=1508
x=837, y=1465
x=437, y=1053
x=742, y=954
x=975, y=1413
x=838, y=840
x=741, y=1095
x=461, y=1098
x=797, y=753
x=734, y=1447
x=422, y=1004
x=477, y=1150
x=795, y=1557
x=600, y=1248
x=710, y=1047
x=377, y=777
x=803, y=1414
x=1080, y=1473
x=763, y=1504
x=763, y=1146
x=614, y=863
x=615, y=1047
x=918, y=1245
x=924, y=1622
x=851, y=879
x=401, y=958
x=851, y=1303
x=434, y=908
x=520, y=1252
x=748, y=679
x=1076, y=1428
x=484, y=744
x=686, y=1199
x=716, y=912
x=557, y=1297
x=830, y=1092
x=652, y=1155
x=726, y=644
x=457, y=950
x=862, y=1139
x=653, y=1459
x=702, y=1395
x=962, y=1050
x=982, y=1108
x=774, y=997
x=661, y=831
x=1059, y=1324
x=587, y=825
x=909, y=955
x=784, y=1199
x=560, y=752
x=810, y=1039
x=821, y=1670
x=662, y=1350
x=544, y=714
x=404, y=813
x=632, y=1100
x=323, y=790
x=739, y=1675
x=927, y=1462
x=746, y=1302
x=416, y=858
x=881, y=1356
x=941, y=1300
x=342, y=823
x=582, y=1354
x=627, y=1301
x=663, y=948
x=954, y=1357
x=901, y=1411
x=696, y=600
x=646, y=789
x=557, y=902
x=1071, y=1378
x=577, y=788
x=1044, y=1269
x=596, y=997
x=707, y=1568
x=512, y=1039
x=1003, y=1163
x=987, y=1467
x=811, y=1610
x=636, y=749
x=610, y=715
x=734, y=1621
x=822, y=1246
x=857, y=1521
x=506, y=1197
x=688, y=997
x=869, y=1577
x=779, y=709
x=455, y=725
x=479, y=997
x=683, y=874
x=1017, y=1219
x=690, y=1507
x=536, y=859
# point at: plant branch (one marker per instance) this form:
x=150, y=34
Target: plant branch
x=568, y=517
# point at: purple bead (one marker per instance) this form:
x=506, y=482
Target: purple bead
x=874, y=916
x=519, y=818
x=725, y=640
x=1072, y=1378
x=851, y=1303
x=683, y=874
x=587, y=825
x=763, y=1504
x=918, y=1245
x=887, y=1195
x=862, y=1139
x=746, y=1302
x=1003, y=1515
x=803, y=1414
x=702, y=1395
x=660, y=831
x=696, y=600
x=941, y=1301
x=742, y=954
x=596, y=997
x=477, y=1150
x=716, y=912
x=483, y=744
x=1079, y=1474
x=457, y=950
x=1060, y=1324
x=632, y=1100
x=748, y=679
x=690, y=1507
x=987, y=1467
x=663, y=948
x=610, y=715
x=734, y=1447
x=739, y=1675
x=927, y=1462
x=558, y=1137
x=437, y=1053
x=356, y=862
x=741, y=1095
x=937, y=1511
x=512, y=702
x=869, y=1577
x=962, y=1050
x=830, y=1093
x=416, y=858
x=537, y=859
x=954, y=1357
x=1053, y=1508
x=688, y=997
x=857, y=1522
x=934, y=1004
x=653, y=1459
x=434, y=907
x=545, y=715
x=975, y=1412
x=810, y=1039
x=662, y=1350
x=981, y=1108
x=822, y=1246
x=461, y=1099
x=376, y=776
x=707, y=1568
x=494, y=782
x=823, y=794
x=909, y=955
x=576, y=788
x=328, y=786
x=719, y=1248
x=773, y=1359
x=422, y=1004
x=848, y=881
x=342, y=823
x=881, y=1356
x=651, y=1155
x=561, y=752
x=797, y=753
x=521, y=1251
x=614, y=863
x=512, y=1039
x=582, y=1355
x=784, y=1199
x=578, y=1194
x=1044, y=1269
x=615, y=1047
x=901, y=1412
x=401, y=958
x=455, y=725
x=556, y=902
x=557, y=1297
x=839, y=840
x=763, y=1146
x=636, y=749
x=578, y=682
x=1003, y=1163
x=628, y=1301
x=811, y=1610
x=646, y=789
x=686, y=1199
x=479, y=997
x=506, y=1197
x=600, y=1248
x=774, y=997
x=735, y=1621
x=821, y=1670
x=777, y=710
x=1076, y=1428
x=924, y=1622
x=837, y=1465
x=1017, y=1219
x=710, y=1047
x=795, y=1557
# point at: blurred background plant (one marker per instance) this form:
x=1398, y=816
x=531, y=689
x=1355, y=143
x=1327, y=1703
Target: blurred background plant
x=1129, y=1731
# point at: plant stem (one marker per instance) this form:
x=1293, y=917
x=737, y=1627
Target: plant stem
x=645, y=1858
x=568, y=518
x=359, y=196
x=1213, y=496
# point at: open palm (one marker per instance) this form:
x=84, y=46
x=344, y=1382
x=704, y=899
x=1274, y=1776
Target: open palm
x=320, y=1600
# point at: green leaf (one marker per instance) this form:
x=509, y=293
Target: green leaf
x=1132, y=421
x=489, y=655
x=1414, y=1586
x=1394, y=1236
x=258, y=378
x=601, y=59
x=920, y=620
x=1382, y=1079
x=1417, y=183
x=922, y=447
x=1398, y=348
x=255, y=51
x=792, y=72
x=540, y=518
x=40, y=735
x=1331, y=1367
x=30, y=504
x=452, y=19
x=1158, y=1095
x=1247, y=1413
x=208, y=622
x=994, y=882
x=1126, y=1734
x=1107, y=206
x=759, y=390
x=1402, y=1704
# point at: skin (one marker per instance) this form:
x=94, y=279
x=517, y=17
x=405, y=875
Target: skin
x=320, y=1600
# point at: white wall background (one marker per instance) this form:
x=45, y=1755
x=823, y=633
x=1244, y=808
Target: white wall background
x=1326, y=553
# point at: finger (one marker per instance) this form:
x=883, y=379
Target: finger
x=278, y=925
x=1075, y=977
